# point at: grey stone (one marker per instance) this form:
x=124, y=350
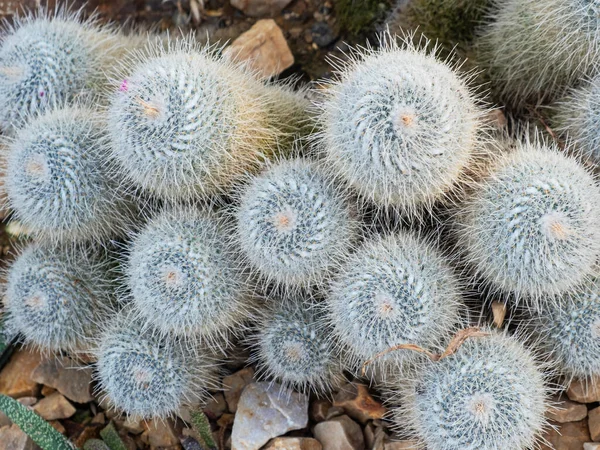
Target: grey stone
x=260, y=8
x=340, y=433
x=67, y=377
x=564, y=410
x=12, y=438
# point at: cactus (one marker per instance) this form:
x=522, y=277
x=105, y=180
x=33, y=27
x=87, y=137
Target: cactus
x=400, y=126
x=55, y=297
x=531, y=228
x=489, y=395
x=394, y=290
x=185, y=122
x=52, y=57
x=533, y=49
x=569, y=329
x=577, y=117
x=146, y=375
x=58, y=182
x=293, y=225
x=294, y=347
x=183, y=276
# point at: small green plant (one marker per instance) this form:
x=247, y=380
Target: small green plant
x=357, y=15
x=111, y=438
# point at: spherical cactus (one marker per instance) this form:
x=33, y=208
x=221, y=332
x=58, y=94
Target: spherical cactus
x=55, y=297
x=577, y=117
x=52, y=57
x=185, y=122
x=294, y=347
x=531, y=228
x=183, y=276
x=533, y=49
x=146, y=375
x=58, y=181
x=569, y=327
x=394, y=290
x=489, y=395
x=293, y=225
x=399, y=126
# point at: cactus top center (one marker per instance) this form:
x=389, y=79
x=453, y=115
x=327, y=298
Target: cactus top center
x=284, y=221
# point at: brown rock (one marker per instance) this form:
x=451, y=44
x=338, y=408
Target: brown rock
x=89, y=432
x=318, y=410
x=27, y=401
x=584, y=391
x=234, y=384
x=401, y=445
x=15, y=378
x=12, y=438
x=340, y=433
x=567, y=436
x=58, y=426
x=293, y=443
x=67, y=377
x=260, y=8
x=264, y=48
x=591, y=446
x=133, y=426
x=47, y=390
x=98, y=419
x=54, y=407
x=216, y=407
x=4, y=420
x=564, y=410
x=160, y=433
x=594, y=423
x=499, y=308
x=358, y=403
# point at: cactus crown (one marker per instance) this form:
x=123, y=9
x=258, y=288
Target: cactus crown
x=400, y=126
x=294, y=225
x=49, y=58
x=184, y=121
x=489, y=395
x=183, y=277
x=58, y=182
x=532, y=227
x=56, y=296
x=394, y=290
x=293, y=346
x=146, y=375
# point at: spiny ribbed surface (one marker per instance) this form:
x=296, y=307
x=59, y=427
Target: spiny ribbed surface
x=489, y=395
x=148, y=376
x=400, y=126
x=570, y=329
x=532, y=227
x=183, y=276
x=294, y=225
x=57, y=180
x=295, y=347
x=394, y=290
x=56, y=296
x=533, y=49
x=50, y=58
x=185, y=122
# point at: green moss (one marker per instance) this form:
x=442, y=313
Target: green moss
x=356, y=16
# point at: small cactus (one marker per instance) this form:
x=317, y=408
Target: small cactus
x=57, y=179
x=52, y=57
x=183, y=276
x=55, y=297
x=531, y=228
x=293, y=225
x=394, y=290
x=294, y=347
x=185, y=122
x=146, y=375
x=489, y=395
x=399, y=125
x=534, y=49
x=570, y=330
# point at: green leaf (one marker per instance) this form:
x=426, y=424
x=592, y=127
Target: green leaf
x=40, y=431
x=95, y=444
x=110, y=435
x=202, y=426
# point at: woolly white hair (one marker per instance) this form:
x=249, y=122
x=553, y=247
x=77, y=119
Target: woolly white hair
x=531, y=228
x=533, y=49
x=58, y=182
x=399, y=125
x=396, y=289
x=491, y=394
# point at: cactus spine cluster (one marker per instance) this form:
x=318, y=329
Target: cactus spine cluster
x=396, y=289
x=533, y=49
x=489, y=395
x=400, y=126
x=55, y=297
x=293, y=225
